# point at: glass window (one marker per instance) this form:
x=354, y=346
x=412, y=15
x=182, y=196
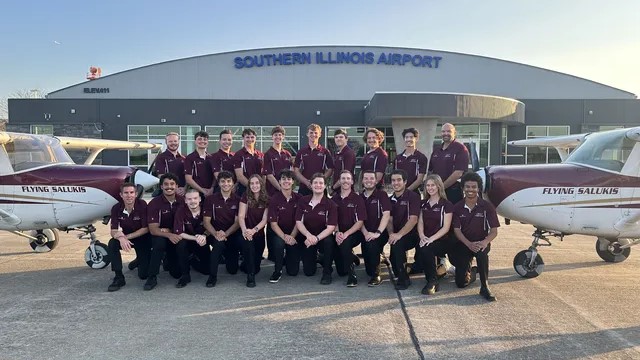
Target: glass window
x=604, y=150
x=42, y=129
x=542, y=155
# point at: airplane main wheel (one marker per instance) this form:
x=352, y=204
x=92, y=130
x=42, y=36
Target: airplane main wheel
x=46, y=240
x=609, y=249
x=522, y=264
x=100, y=259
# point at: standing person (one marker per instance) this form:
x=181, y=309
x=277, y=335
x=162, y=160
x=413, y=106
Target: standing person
x=171, y=161
x=160, y=216
x=374, y=230
x=220, y=216
x=433, y=228
x=276, y=159
x=282, y=218
x=403, y=235
x=475, y=224
x=188, y=224
x=252, y=217
x=197, y=170
x=312, y=159
x=316, y=218
x=450, y=161
x=351, y=216
x=411, y=160
x=247, y=161
x=343, y=159
x=221, y=159
x=376, y=158
x=129, y=230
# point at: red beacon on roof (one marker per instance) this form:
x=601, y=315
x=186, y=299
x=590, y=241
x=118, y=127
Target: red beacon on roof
x=94, y=73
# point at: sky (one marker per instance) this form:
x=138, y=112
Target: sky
x=48, y=45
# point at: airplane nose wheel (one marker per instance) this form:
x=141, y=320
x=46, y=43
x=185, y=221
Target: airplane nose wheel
x=99, y=258
x=46, y=240
x=528, y=264
x=610, y=250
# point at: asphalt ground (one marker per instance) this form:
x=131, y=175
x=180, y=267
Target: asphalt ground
x=52, y=306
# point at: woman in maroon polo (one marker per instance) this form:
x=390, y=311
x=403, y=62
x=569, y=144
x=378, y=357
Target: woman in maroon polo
x=434, y=223
x=376, y=159
x=252, y=216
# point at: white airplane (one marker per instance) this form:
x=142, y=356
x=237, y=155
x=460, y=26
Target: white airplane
x=42, y=190
x=594, y=191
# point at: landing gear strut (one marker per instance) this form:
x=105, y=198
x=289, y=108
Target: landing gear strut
x=96, y=256
x=43, y=240
x=528, y=263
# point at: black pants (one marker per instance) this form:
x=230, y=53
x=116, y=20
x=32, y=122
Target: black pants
x=310, y=254
x=460, y=256
x=184, y=249
x=428, y=254
x=291, y=261
x=230, y=248
x=399, y=253
x=343, y=253
x=252, y=252
x=160, y=246
x=371, y=251
x=142, y=246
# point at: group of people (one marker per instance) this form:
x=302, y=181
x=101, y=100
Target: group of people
x=231, y=206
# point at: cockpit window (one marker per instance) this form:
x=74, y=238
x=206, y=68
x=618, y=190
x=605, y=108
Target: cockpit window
x=29, y=151
x=608, y=150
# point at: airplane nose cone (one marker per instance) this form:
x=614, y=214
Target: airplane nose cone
x=145, y=180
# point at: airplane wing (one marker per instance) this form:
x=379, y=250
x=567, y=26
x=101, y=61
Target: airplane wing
x=95, y=146
x=561, y=143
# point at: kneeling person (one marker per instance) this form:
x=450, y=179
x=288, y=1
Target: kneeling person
x=188, y=224
x=282, y=218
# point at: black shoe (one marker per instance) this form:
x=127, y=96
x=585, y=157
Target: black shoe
x=374, y=281
x=183, y=281
x=133, y=264
x=326, y=279
x=211, y=281
x=251, y=280
x=430, y=289
x=487, y=294
x=117, y=283
x=275, y=277
x=403, y=284
x=352, y=281
x=151, y=282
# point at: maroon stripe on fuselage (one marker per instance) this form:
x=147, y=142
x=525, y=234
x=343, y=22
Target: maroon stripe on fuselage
x=22, y=202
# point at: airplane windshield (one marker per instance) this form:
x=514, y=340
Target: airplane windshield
x=28, y=151
x=608, y=150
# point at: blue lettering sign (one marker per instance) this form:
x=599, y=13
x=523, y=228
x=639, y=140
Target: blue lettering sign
x=339, y=57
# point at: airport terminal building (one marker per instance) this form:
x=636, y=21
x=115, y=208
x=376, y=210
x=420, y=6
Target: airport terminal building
x=490, y=101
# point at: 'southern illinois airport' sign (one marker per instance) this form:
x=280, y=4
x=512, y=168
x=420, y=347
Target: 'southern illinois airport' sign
x=338, y=57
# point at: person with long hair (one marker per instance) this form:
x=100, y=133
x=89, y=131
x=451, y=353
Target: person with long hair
x=375, y=159
x=434, y=223
x=252, y=217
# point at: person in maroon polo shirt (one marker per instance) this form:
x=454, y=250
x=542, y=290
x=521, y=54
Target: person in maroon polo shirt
x=129, y=230
x=374, y=231
x=171, y=161
x=247, y=161
x=282, y=218
x=316, y=218
x=252, y=216
x=222, y=159
x=450, y=161
x=351, y=216
x=343, y=159
x=411, y=160
x=376, y=158
x=197, y=171
x=276, y=159
x=188, y=224
x=434, y=224
x=475, y=224
x=312, y=159
x=160, y=215
x=403, y=235
x=221, y=221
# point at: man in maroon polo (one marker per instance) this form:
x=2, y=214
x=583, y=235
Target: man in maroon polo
x=450, y=161
x=343, y=159
x=312, y=159
x=276, y=159
x=171, y=161
x=411, y=160
x=222, y=159
x=247, y=161
x=351, y=216
x=129, y=230
x=376, y=158
x=374, y=230
x=282, y=219
x=197, y=171
x=160, y=216
x=475, y=224
x=188, y=224
x=220, y=214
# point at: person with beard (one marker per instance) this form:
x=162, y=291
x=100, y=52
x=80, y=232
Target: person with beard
x=247, y=161
x=312, y=159
x=343, y=159
x=129, y=230
x=221, y=159
x=450, y=161
x=252, y=216
x=188, y=224
x=171, y=161
x=475, y=224
x=374, y=230
x=376, y=159
x=160, y=216
x=197, y=170
x=282, y=218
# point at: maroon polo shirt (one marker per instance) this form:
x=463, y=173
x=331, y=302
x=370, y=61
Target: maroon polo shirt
x=475, y=224
x=185, y=222
x=131, y=222
x=161, y=211
x=433, y=216
x=444, y=162
x=344, y=159
x=402, y=207
x=317, y=219
x=377, y=203
x=221, y=161
x=254, y=214
x=375, y=160
x=311, y=161
x=166, y=162
x=283, y=211
x=222, y=212
x=413, y=165
x=351, y=209
x=199, y=169
x=250, y=164
x=274, y=162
